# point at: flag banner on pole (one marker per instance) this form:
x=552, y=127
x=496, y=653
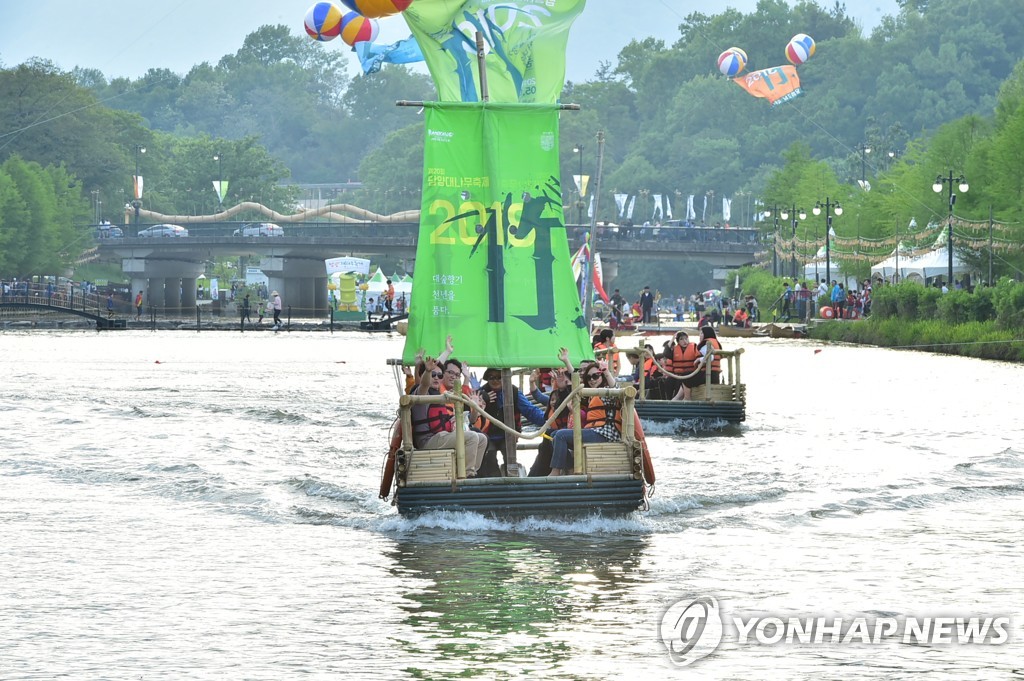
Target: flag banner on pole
x=691, y=214
x=221, y=188
x=704, y=212
x=590, y=208
x=492, y=258
x=581, y=183
x=657, y=206
x=726, y=209
x=524, y=45
x=620, y=203
x=629, y=213
x=668, y=206
x=138, y=186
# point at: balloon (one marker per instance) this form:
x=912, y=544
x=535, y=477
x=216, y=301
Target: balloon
x=374, y=9
x=739, y=51
x=731, y=62
x=355, y=28
x=807, y=42
x=323, y=21
x=800, y=49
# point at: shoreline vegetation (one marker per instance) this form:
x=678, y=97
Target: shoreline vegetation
x=985, y=322
x=983, y=340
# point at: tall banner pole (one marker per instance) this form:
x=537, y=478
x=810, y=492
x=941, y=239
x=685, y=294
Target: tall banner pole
x=588, y=294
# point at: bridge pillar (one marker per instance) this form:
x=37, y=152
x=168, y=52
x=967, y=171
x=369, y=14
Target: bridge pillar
x=188, y=293
x=161, y=282
x=155, y=293
x=609, y=270
x=301, y=282
x=172, y=295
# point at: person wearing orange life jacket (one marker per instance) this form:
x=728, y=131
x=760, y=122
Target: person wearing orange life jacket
x=654, y=378
x=434, y=426
x=605, y=340
x=685, y=356
x=559, y=394
x=708, y=342
x=602, y=421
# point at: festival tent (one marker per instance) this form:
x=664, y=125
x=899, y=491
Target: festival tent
x=886, y=270
x=933, y=264
x=815, y=271
x=378, y=284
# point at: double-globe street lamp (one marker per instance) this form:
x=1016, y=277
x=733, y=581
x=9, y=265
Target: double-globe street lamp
x=864, y=150
x=774, y=212
x=798, y=214
x=829, y=207
x=784, y=213
x=220, y=178
x=961, y=181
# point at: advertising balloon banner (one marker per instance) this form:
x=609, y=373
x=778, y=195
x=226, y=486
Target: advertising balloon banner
x=492, y=255
x=524, y=45
x=778, y=84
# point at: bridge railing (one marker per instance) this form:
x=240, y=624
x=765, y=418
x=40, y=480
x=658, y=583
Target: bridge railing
x=59, y=298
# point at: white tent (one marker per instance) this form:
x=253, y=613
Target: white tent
x=933, y=264
x=886, y=269
x=815, y=271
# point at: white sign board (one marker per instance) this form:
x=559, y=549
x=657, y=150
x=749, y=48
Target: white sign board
x=357, y=265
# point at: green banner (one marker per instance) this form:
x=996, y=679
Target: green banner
x=524, y=43
x=492, y=260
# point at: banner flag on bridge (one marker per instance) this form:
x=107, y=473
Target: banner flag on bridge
x=221, y=187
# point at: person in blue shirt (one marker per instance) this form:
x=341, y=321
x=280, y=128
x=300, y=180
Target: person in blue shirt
x=838, y=299
x=494, y=403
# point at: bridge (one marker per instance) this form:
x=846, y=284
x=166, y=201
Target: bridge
x=35, y=298
x=167, y=268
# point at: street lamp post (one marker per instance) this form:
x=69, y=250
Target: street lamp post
x=937, y=187
x=864, y=150
x=829, y=206
x=774, y=212
x=220, y=178
x=796, y=213
x=578, y=149
x=137, y=200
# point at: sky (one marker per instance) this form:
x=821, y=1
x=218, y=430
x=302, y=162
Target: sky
x=129, y=37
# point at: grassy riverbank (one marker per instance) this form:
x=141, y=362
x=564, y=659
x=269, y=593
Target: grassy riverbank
x=970, y=339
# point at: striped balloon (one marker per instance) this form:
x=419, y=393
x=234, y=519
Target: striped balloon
x=323, y=21
x=800, y=49
x=375, y=9
x=731, y=62
x=355, y=28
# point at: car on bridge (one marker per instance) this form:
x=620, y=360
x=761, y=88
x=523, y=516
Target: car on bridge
x=260, y=229
x=163, y=230
x=108, y=231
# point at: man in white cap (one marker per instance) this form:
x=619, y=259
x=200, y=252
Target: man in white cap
x=275, y=299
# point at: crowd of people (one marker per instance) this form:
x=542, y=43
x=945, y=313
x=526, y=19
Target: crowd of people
x=434, y=425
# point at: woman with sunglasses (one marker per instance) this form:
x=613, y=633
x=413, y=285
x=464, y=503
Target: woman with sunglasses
x=602, y=420
x=433, y=425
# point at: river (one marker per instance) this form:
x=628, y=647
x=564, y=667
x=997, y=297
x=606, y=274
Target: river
x=204, y=505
